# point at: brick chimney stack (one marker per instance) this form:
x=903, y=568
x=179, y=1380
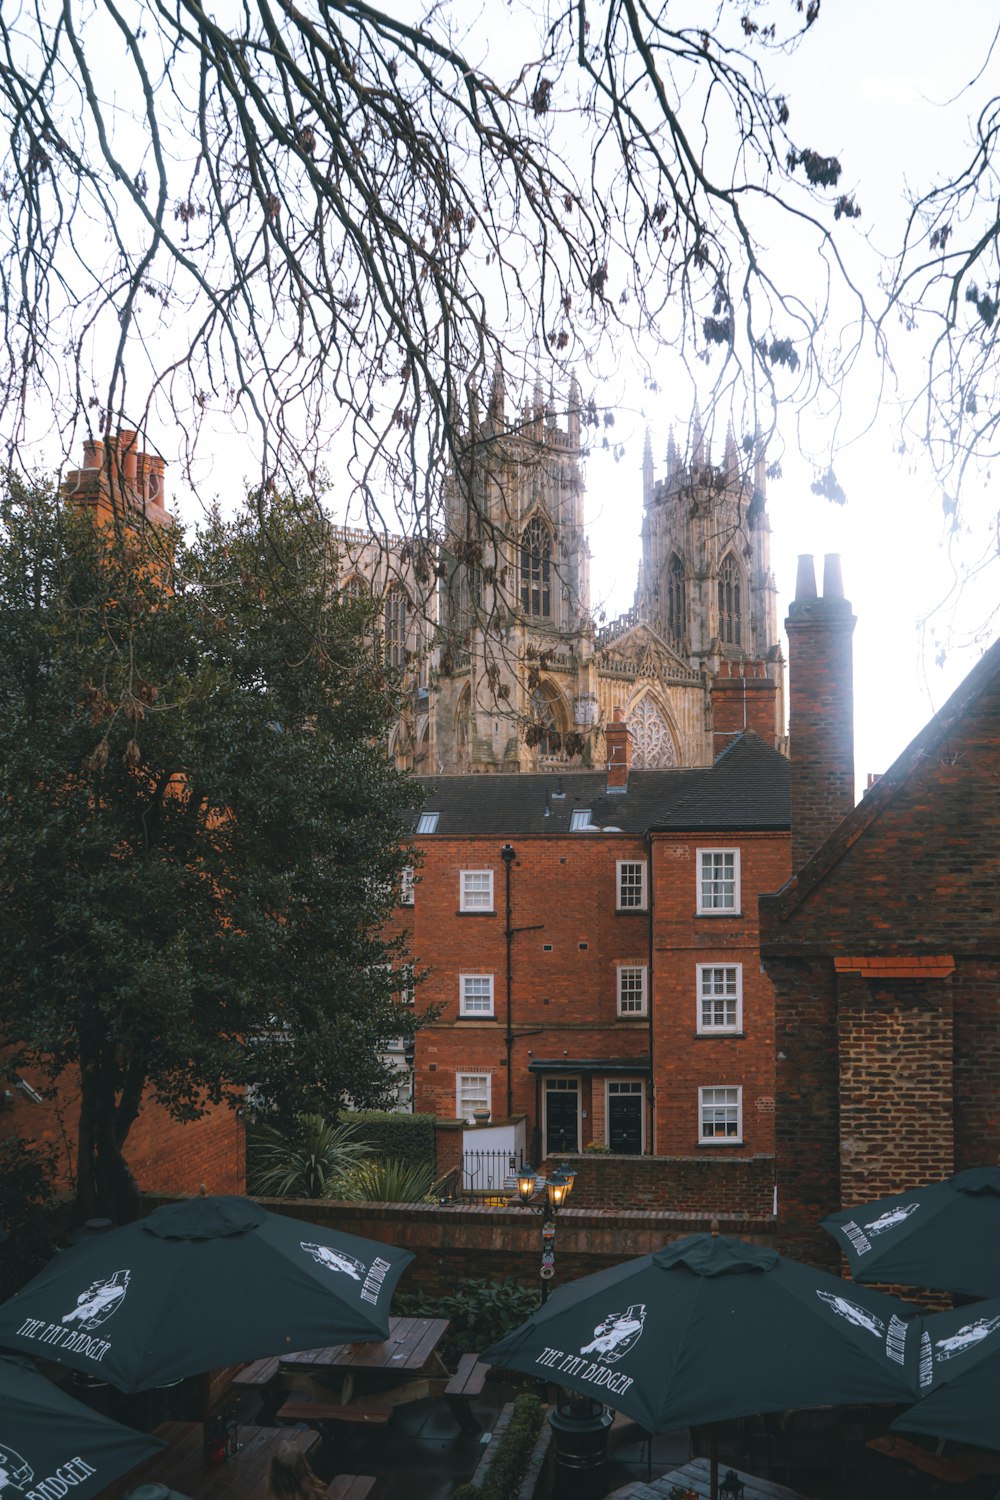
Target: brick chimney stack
x=821, y=707
x=117, y=478
x=744, y=696
x=618, y=744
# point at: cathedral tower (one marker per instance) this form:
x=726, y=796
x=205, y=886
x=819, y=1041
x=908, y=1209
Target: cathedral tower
x=698, y=657
x=513, y=689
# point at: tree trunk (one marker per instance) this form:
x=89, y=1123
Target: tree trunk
x=105, y=1186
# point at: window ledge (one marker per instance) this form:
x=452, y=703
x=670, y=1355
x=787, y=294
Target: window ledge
x=478, y=912
x=634, y=1015
x=722, y=1141
x=489, y=1020
x=631, y=911
x=714, y=1034
x=735, y=916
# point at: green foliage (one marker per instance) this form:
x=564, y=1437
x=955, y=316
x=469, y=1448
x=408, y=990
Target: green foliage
x=308, y=1162
x=387, y=1181
x=200, y=834
x=406, y=1138
x=29, y=1214
x=510, y=1459
x=480, y=1312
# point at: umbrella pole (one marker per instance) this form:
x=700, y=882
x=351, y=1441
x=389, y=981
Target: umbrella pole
x=713, y=1461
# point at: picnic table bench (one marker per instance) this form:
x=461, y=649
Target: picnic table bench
x=464, y=1386
x=259, y=1373
x=951, y=1470
x=300, y=1408
x=350, y=1487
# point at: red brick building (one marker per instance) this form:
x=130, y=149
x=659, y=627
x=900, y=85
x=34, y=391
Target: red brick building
x=591, y=949
x=884, y=948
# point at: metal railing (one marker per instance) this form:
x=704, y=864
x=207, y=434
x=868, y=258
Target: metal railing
x=489, y=1174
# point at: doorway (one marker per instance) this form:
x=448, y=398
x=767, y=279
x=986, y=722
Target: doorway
x=562, y=1114
x=625, y=1117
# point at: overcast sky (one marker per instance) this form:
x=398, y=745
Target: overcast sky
x=869, y=85
x=880, y=84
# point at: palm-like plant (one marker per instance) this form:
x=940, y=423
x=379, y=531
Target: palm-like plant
x=387, y=1181
x=310, y=1164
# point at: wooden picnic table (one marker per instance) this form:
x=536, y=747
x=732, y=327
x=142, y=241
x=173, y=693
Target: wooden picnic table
x=181, y=1465
x=696, y=1476
x=359, y=1382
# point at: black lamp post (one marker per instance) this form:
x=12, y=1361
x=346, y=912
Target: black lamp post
x=557, y=1189
x=580, y=1423
x=732, y=1486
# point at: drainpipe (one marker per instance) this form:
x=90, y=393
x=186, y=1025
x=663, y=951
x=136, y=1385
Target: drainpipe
x=651, y=1140
x=507, y=855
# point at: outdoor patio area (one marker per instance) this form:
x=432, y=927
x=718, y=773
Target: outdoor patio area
x=424, y=1454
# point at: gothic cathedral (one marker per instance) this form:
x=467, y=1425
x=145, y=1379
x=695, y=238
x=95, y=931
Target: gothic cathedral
x=515, y=676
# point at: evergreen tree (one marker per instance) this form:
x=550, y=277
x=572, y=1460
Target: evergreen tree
x=199, y=828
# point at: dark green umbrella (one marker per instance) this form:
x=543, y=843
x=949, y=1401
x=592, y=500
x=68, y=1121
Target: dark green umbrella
x=942, y=1235
x=52, y=1446
x=712, y=1327
x=200, y=1284
x=959, y=1376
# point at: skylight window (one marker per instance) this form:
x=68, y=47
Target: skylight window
x=579, y=819
x=428, y=822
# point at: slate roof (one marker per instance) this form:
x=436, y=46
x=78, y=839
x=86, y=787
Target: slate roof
x=746, y=789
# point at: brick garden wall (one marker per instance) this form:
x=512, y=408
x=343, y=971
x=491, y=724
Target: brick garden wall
x=456, y=1243
x=698, y=1185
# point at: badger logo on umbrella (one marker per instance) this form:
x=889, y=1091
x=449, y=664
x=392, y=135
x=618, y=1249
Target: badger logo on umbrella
x=15, y=1472
x=853, y=1312
x=966, y=1337
x=336, y=1260
x=99, y=1301
x=616, y=1334
x=891, y=1218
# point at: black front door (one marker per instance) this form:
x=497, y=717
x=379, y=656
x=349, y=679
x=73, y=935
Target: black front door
x=562, y=1131
x=625, y=1118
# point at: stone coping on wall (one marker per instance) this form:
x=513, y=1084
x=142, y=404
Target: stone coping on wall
x=572, y=1221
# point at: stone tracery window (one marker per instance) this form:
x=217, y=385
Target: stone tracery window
x=730, y=602
x=546, y=726
x=536, y=565
x=395, y=628
x=652, y=742
x=676, y=602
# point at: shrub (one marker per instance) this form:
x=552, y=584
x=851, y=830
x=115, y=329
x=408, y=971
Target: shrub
x=479, y=1312
x=510, y=1459
x=309, y=1163
x=390, y=1181
x=408, y=1138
